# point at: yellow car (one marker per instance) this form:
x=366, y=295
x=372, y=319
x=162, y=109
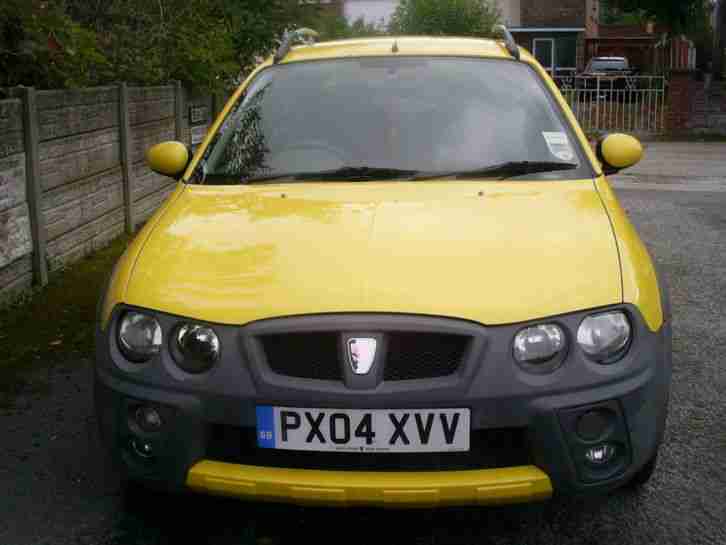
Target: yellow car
x=394, y=274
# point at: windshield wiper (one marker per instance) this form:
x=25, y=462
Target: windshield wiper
x=343, y=173
x=501, y=171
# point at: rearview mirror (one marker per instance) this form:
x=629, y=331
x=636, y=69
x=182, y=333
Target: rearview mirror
x=618, y=151
x=168, y=158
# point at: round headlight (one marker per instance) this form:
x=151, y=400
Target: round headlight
x=197, y=348
x=604, y=337
x=539, y=348
x=139, y=337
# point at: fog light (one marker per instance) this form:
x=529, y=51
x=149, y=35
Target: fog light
x=601, y=454
x=593, y=425
x=148, y=419
x=143, y=449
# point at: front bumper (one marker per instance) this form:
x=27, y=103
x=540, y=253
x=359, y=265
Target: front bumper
x=349, y=488
x=500, y=397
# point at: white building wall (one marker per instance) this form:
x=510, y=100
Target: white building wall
x=511, y=11
x=373, y=11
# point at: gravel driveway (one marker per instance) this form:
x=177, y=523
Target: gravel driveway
x=55, y=487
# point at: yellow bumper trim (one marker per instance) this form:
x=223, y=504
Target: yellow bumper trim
x=404, y=489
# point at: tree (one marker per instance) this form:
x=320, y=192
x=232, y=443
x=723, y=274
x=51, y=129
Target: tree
x=360, y=28
x=677, y=15
x=690, y=17
x=445, y=17
x=701, y=32
x=41, y=46
x=611, y=15
x=720, y=40
x=255, y=26
x=331, y=26
x=204, y=43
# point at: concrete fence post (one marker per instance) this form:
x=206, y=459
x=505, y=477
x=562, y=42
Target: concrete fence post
x=125, y=145
x=34, y=189
x=179, y=112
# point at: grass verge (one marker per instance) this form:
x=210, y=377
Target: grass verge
x=55, y=324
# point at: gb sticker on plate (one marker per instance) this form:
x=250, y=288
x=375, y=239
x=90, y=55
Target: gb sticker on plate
x=559, y=145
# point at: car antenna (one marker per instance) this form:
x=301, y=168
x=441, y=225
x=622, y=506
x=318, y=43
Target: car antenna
x=301, y=35
x=503, y=32
x=394, y=49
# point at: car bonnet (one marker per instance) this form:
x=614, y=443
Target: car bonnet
x=490, y=252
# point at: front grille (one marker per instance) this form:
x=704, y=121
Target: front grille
x=414, y=356
x=409, y=355
x=489, y=449
x=303, y=355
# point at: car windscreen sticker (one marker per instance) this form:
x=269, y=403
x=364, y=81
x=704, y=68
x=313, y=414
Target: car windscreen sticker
x=559, y=145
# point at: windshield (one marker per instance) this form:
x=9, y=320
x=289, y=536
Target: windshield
x=392, y=118
x=604, y=65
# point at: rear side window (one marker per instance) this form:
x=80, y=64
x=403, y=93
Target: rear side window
x=409, y=113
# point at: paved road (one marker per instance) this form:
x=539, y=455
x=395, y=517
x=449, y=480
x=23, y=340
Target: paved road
x=706, y=160
x=56, y=489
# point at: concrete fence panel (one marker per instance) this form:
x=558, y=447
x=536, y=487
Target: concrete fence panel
x=73, y=174
x=71, y=206
x=152, y=119
x=67, y=113
x=72, y=158
x=146, y=182
x=79, y=158
x=153, y=110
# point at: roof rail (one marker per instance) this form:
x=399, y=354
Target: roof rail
x=293, y=37
x=503, y=32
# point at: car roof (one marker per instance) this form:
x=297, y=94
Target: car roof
x=404, y=46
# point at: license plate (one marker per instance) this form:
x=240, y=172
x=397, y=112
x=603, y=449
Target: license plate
x=434, y=430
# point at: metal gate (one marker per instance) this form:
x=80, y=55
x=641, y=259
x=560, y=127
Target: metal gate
x=617, y=103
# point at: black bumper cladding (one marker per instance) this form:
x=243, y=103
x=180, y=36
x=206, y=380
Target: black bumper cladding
x=517, y=419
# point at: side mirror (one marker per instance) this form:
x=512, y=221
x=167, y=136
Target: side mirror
x=168, y=158
x=618, y=151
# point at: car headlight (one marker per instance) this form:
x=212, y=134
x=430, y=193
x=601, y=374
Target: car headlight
x=604, y=337
x=196, y=348
x=139, y=337
x=540, y=349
